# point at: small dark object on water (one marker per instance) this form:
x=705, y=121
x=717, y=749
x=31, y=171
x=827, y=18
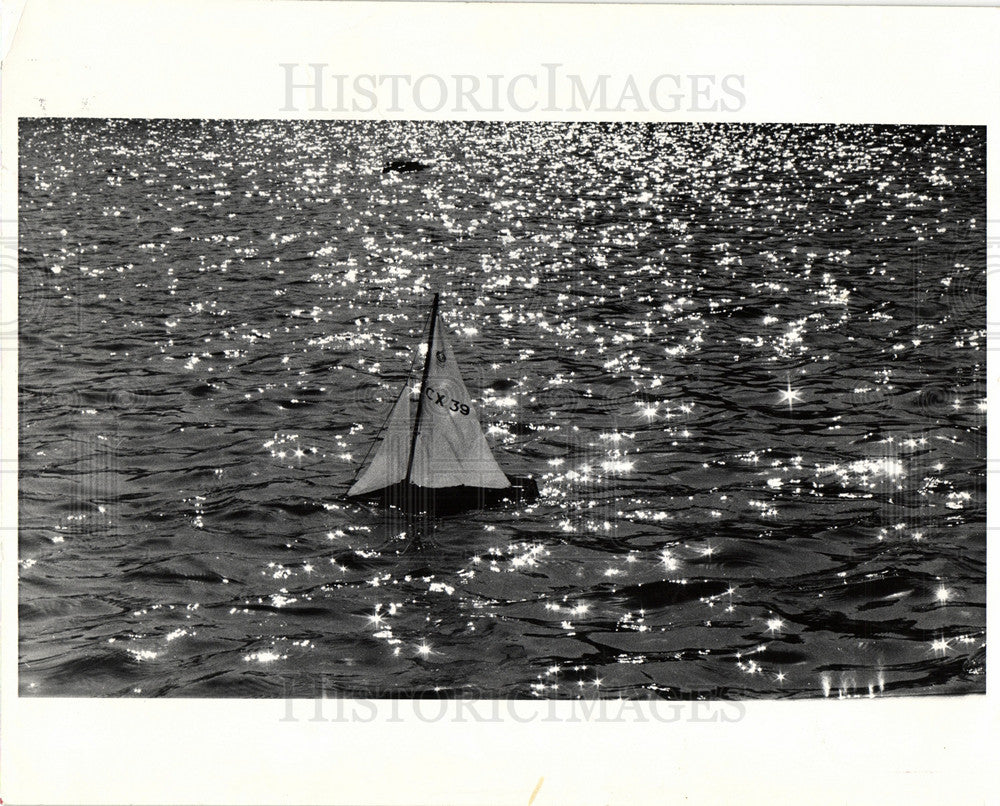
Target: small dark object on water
x=403, y=166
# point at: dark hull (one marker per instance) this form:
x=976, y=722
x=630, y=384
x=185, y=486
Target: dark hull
x=451, y=500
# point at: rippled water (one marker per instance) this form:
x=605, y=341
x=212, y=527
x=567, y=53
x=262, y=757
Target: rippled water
x=745, y=363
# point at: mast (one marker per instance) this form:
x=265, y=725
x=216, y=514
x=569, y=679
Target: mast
x=423, y=383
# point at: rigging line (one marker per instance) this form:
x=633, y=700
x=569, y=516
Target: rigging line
x=423, y=385
x=404, y=390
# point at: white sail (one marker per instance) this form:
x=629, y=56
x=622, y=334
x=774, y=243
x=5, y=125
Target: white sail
x=393, y=453
x=450, y=449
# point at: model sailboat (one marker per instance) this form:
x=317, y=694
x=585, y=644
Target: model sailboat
x=437, y=460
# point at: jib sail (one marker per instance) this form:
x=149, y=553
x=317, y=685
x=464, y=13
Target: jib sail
x=388, y=466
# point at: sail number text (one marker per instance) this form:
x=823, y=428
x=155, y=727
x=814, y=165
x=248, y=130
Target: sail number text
x=445, y=402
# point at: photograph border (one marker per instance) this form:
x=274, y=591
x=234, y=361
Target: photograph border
x=222, y=59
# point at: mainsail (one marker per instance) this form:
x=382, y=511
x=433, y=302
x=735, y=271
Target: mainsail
x=445, y=446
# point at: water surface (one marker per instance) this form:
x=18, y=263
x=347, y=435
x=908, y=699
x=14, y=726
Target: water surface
x=745, y=363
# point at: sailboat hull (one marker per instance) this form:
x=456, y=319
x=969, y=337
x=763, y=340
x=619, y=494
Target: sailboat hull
x=451, y=500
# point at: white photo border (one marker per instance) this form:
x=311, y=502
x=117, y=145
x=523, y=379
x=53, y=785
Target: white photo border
x=221, y=59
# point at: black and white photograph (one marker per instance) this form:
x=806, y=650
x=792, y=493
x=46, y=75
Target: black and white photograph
x=496, y=403
x=501, y=410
